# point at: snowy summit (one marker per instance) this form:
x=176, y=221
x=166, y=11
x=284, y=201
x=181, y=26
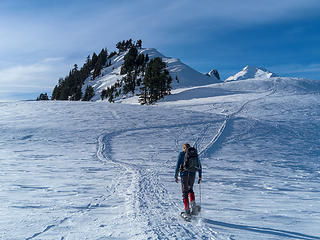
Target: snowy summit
x=133, y=71
x=251, y=72
x=214, y=74
x=182, y=75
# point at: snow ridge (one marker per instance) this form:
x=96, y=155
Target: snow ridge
x=251, y=72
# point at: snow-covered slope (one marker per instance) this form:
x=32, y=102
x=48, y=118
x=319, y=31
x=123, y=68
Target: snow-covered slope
x=182, y=74
x=251, y=72
x=206, y=94
x=187, y=76
x=95, y=170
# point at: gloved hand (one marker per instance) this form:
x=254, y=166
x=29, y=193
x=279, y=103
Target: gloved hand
x=176, y=179
x=199, y=180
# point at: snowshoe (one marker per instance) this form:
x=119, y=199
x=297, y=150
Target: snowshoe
x=186, y=216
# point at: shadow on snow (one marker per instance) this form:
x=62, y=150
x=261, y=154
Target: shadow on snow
x=262, y=230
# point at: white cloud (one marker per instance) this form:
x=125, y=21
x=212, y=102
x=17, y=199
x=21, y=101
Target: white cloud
x=154, y=21
x=36, y=77
x=297, y=68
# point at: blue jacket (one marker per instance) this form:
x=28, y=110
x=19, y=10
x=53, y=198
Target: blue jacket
x=180, y=164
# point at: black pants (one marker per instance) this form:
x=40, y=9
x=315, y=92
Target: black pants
x=187, y=185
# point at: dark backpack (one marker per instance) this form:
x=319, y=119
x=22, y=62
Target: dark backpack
x=191, y=160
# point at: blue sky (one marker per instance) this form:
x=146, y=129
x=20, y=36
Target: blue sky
x=41, y=40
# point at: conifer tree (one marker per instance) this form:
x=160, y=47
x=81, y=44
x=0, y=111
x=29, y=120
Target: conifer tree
x=88, y=61
x=97, y=70
x=75, y=68
x=129, y=61
x=156, y=83
x=43, y=97
x=112, y=54
x=103, y=57
x=56, y=93
x=94, y=60
x=139, y=44
x=78, y=93
x=103, y=94
x=88, y=94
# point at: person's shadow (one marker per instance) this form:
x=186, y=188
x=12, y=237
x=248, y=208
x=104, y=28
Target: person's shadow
x=262, y=230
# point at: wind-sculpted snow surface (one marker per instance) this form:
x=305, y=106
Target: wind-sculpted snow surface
x=76, y=170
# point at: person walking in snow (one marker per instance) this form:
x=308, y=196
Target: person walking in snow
x=188, y=164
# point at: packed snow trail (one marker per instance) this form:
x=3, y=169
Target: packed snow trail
x=148, y=202
x=129, y=188
x=228, y=119
x=149, y=207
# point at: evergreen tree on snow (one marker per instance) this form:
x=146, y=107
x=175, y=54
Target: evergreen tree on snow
x=156, y=83
x=88, y=94
x=129, y=61
x=43, y=97
x=150, y=76
x=139, y=44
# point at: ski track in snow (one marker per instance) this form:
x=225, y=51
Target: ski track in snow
x=144, y=188
x=225, y=125
x=147, y=199
x=96, y=202
x=47, y=229
x=149, y=202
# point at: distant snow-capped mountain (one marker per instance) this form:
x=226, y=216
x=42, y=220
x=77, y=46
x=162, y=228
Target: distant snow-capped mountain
x=182, y=75
x=251, y=72
x=214, y=73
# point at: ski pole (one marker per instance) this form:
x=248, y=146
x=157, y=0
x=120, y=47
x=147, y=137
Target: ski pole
x=200, y=196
